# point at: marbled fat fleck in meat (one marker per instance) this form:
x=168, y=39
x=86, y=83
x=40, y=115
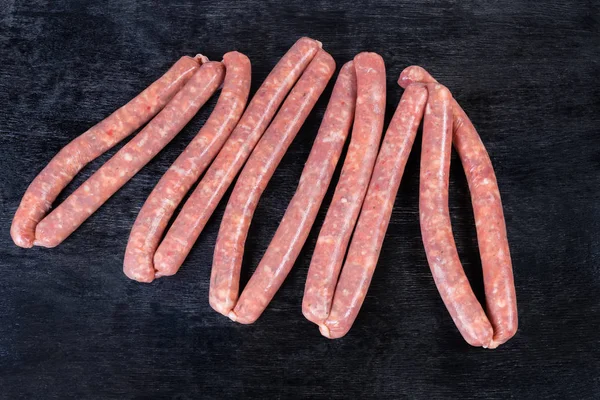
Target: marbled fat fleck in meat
x=375, y=214
x=199, y=207
x=302, y=210
x=351, y=188
x=253, y=180
x=177, y=181
x=61, y=170
x=117, y=171
x=489, y=217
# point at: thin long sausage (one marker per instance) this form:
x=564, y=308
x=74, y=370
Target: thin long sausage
x=117, y=171
x=489, y=217
x=351, y=188
x=375, y=214
x=61, y=170
x=229, y=249
x=199, y=207
x=176, y=182
x=436, y=229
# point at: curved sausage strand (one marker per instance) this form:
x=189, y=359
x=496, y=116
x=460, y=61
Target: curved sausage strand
x=61, y=170
x=498, y=278
x=351, y=188
x=132, y=157
x=375, y=214
x=436, y=229
x=176, y=182
x=202, y=202
x=302, y=210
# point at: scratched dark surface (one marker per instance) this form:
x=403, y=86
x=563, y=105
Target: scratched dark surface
x=72, y=325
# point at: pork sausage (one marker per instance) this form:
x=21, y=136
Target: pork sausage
x=375, y=214
x=117, y=171
x=436, y=229
x=61, y=170
x=501, y=299
x=351, y=188
x=253, y=180
x=175, y=183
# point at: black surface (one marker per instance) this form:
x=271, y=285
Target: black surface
x=73, y=326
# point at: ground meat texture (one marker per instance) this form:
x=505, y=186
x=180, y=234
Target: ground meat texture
x=436, y=229
x=375, y=214
x=202, y=202
x=351, y=188
x=501, y=300
x=61, y=170
x=175, y=183
x=117, y=171
x=304, y=206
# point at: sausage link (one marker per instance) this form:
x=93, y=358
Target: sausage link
x=61, y=170
x=253, y=180
x=302, y=210
x=351, y=188
x=202, y=202
x=375, y=214
x=501, y=299
x=176, y=182
x=436, y=229
x=117, y=171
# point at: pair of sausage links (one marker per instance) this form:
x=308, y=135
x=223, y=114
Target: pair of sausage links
x=489, y=218
x=61, y=170
x=436, y=229
x=176, y=182
x=199, y=207
x=117, y=171
x=252, y=182
x=375, y=214
x=351, y=188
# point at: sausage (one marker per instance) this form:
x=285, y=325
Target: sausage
x=253, y=180
x=498, y=278
x=351, y=188
x=176, y=182
x=436, y=229
x=61, y=170
x=302, y=210
x=202, y=202
x=117, y=171
x=375, y=214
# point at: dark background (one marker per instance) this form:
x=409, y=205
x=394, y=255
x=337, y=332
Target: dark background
x=73, y=326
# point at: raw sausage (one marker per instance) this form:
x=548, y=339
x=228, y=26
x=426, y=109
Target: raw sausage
x=61, y=170
x=117, y=171
x=304, y=206
x=175, y=183
x=199, y=207
x=436, y=229
x=489, y=218
x=229, y=249
x=253, y=180
x=351, y=188
x=375, y=214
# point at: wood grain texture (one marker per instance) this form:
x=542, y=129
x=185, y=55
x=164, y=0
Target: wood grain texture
x=73, y=326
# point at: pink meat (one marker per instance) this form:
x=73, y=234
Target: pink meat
x=498, y=278
x=117, y=171
x=350, y=191
x=375, y=214
x=199, y=207
x=61, y=170
x=268, y=153
x=177, y=181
